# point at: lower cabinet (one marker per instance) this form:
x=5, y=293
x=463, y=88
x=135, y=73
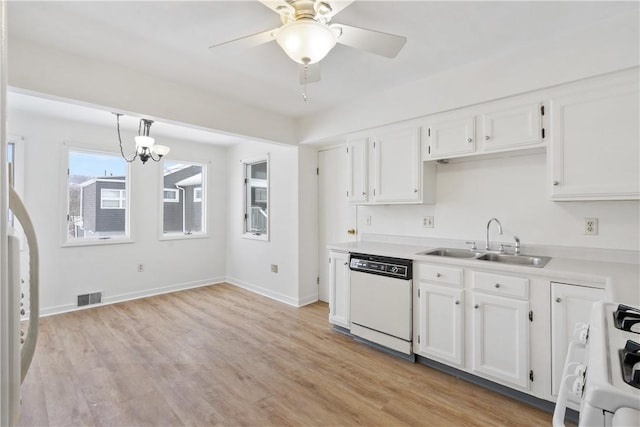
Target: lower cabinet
x=501, y=338
x=339, y=289
x=440, y=317
x=570, y=304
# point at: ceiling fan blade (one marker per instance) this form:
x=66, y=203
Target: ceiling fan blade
x=250, y=41
x=383, y=44
x=311, y=74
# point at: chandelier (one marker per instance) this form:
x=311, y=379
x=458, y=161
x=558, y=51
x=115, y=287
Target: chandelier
x=146, y=147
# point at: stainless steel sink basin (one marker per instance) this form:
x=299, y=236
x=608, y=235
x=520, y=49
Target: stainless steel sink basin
x=528, y=260
x=533, y=261
x=451, y=252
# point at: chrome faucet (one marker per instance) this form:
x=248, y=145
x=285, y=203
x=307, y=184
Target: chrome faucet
x=486, y=246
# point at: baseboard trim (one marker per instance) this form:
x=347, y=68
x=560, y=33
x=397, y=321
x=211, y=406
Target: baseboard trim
x=263, y=291
x=50, y=311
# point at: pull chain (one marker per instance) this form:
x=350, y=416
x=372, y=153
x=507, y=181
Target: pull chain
x=304, y=85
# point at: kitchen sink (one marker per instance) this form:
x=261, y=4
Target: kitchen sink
x=533, y=261
x=528, y=260
x=451, y=252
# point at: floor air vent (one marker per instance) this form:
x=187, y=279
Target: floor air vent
x=89, y=299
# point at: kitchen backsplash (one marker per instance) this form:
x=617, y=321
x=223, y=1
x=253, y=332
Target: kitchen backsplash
x=514, y=190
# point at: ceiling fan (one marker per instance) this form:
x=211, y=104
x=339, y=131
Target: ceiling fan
x=308, y=35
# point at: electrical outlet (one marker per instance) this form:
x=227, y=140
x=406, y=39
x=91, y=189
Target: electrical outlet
x=140, y=268
x=274, y=268
x=368, y=219
x=427, y=221
x=591, y=226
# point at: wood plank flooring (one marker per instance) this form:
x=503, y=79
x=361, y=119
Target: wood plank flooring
x=220, y=355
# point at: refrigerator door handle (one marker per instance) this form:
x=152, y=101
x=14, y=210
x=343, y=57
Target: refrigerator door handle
x=29, y=346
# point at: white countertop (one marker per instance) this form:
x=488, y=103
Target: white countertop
x=621, y=280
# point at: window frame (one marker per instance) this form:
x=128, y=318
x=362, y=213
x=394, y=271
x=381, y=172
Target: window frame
x=246, y=191
x=204, y=233
x=121, y=199
x=68, y=241
x=174, y=191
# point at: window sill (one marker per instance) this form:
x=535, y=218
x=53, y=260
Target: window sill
x=96, y=242
x=254, y=236
x=181, y=236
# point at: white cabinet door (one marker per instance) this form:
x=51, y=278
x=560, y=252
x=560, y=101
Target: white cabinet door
x=594, y=142
x=501, y=339
x=339, y=289
x=570, y=304
x=440, y=313
x=450, y=136
x=510, y=125
x=357, y=170
x=397, y=166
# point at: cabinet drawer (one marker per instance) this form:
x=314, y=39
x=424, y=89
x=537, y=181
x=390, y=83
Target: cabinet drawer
x=501, y=285
x=437, y=273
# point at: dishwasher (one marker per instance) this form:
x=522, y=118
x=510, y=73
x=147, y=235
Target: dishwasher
x=381, y=301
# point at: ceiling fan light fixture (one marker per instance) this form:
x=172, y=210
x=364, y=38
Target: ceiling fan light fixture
x=306, y=41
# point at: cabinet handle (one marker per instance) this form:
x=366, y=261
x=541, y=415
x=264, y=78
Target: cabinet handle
x=497, y=285
x=346, y=263
x=351, y=231
x=556, y=182
x=438, y=274
x=487, y=137
x=363, y=193
x=457, y=302
x=476, y=306
x=558, y=299
x=469, y=140
x=415, y=190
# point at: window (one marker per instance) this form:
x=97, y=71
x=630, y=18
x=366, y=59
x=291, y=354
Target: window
x=113, y=199
x=97, y=197
x=171, y=195
x=256, y=189
x=183, y=207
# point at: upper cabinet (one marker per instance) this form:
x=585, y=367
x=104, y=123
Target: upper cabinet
x=595, y=139
x=496, y=126
x=386, y=168
x=357, y=170
x=450, y=135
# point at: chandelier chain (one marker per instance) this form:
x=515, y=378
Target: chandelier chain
x=135, y=156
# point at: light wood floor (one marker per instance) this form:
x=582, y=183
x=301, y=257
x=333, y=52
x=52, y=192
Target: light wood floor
x=220, y=355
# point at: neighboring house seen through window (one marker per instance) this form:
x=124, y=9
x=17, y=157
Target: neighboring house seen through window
x=97, y=197
x=184, y=201
x=256, y=196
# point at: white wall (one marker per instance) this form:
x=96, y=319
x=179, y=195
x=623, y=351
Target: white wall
x=249, y=260
x=515, y=191
x=69, y=271
x=612, y=45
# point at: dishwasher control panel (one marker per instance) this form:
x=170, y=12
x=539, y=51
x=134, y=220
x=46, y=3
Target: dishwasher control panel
x=393, y=267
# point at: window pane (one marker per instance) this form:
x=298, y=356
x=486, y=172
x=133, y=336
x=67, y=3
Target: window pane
x=97, y=196
x=257, y=198
x=183, y=207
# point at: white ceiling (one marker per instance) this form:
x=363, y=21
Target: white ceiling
x=170, y=39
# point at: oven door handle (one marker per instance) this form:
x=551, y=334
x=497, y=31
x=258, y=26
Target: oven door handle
x=569, y=364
